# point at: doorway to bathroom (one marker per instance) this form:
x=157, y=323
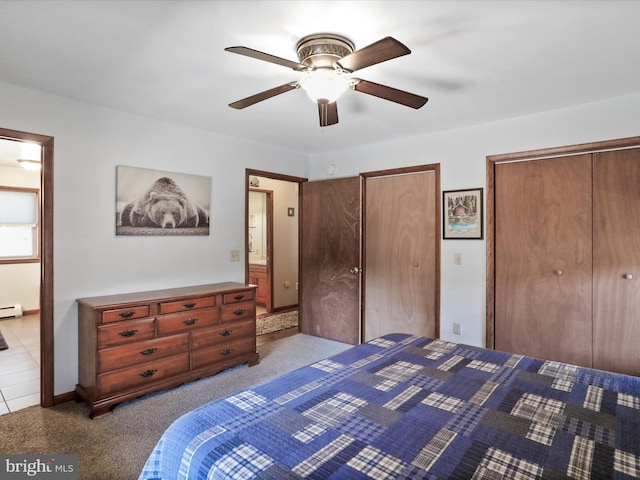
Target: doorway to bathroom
x=272, y=249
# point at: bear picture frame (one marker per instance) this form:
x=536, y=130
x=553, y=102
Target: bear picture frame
x=160, y=203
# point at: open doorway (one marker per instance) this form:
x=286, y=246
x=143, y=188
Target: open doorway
x=45, y=232
x=272, y=249
x=260, y=245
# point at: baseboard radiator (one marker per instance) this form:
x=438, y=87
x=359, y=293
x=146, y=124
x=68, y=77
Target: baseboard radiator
x=11, y=311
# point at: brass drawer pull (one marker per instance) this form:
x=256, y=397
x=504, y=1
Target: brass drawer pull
x=190, y=321
x=226, y=333
x=148, y=373
x=128, y=333
x=148, y=351
x=238, y=297
x=226, y=351
x=127, y=314
x=189, y=305
x=240, y=311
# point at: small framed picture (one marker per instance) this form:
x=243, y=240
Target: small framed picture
x=462, y=214
x=291, y=211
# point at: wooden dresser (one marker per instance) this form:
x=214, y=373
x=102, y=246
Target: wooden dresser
x=137, y=343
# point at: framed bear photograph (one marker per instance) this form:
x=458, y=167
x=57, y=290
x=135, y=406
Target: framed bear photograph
x=155, y=202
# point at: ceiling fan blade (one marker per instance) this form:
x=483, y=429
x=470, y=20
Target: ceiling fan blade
x=388, y=93
x=377, y=52
x=247, y=102
x=328, y=113
x=267, y=58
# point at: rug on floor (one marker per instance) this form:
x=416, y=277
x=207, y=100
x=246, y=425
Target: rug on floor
x=277, y=322
x=3, y=343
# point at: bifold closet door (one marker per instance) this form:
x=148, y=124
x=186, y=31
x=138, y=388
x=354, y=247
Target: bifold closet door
x=400, y=245
x=616, y=268
x=543, y=258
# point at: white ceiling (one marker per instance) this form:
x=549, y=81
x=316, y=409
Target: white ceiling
x=477, y=61
x=10, y=152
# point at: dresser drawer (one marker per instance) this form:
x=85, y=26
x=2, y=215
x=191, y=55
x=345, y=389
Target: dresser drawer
x=187, y=304
x=142, y=374
x=126, y=332
x=129, y=313
x=222, y=352
x=185, y=321
x=139, y=352
x=224, y=333
x=236, y=297
x=238, y=311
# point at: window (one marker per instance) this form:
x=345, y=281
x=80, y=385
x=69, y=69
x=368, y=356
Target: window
x=19, y=225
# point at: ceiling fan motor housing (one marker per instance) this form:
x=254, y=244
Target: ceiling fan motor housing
x=323, y=50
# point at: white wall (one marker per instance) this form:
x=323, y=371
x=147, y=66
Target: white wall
x=285, y=240
x=88, y=258
x=20, y=282
x=462, y=157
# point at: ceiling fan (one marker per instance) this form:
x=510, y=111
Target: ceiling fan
x=327, y=61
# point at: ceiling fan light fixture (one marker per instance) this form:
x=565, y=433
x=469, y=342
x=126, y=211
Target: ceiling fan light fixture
x=29, y=164
x=325, y=85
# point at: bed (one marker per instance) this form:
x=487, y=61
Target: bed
x=411, y=407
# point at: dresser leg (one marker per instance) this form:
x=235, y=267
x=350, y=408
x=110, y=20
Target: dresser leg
x=255, y=361
x=99, y=412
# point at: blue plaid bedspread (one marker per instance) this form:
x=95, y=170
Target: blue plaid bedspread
x=412, y=407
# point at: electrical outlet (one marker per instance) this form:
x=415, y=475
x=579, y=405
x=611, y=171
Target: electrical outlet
x=456, y=328
x=235, y=255
x=457, y=258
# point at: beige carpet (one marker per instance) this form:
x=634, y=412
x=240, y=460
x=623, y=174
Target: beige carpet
x=277, y=322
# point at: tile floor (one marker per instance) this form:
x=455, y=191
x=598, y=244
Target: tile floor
x=20, y=363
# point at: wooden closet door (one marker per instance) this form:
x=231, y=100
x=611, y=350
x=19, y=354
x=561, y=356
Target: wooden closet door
x=616, y=267
x=329, y=249
x=400, y=267
x=543, y=258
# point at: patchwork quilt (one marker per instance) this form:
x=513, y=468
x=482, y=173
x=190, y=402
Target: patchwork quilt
x=405, y=407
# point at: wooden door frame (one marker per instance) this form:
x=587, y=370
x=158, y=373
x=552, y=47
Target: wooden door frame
x=250, y=172
x=540, y=154
x=435, y=167
x=46, y=261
